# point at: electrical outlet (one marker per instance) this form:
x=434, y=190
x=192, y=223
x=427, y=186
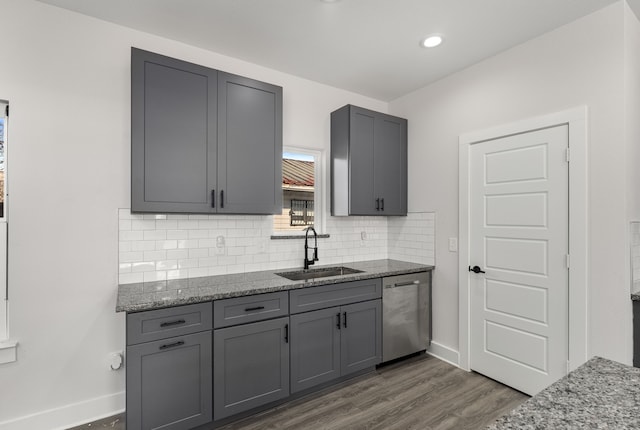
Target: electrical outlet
x=220, y=245
x=453, y=244
x=116, y=360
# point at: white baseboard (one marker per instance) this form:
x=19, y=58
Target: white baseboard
x=444, y=353
x=70, y=415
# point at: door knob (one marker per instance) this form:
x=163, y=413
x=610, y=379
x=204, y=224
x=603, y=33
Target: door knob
x=476, y=269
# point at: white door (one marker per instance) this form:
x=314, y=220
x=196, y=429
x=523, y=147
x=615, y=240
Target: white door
x=519, y=238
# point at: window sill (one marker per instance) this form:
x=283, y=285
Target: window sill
x=297, y=236
x=8, y=351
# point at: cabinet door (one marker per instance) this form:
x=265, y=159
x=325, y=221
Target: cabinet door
x=362, y=200
x=173, y=134
x=169, y=383
x=251, y=366
x=390, y=164
x=361, y=336
x=315, y=348
x=249, y=146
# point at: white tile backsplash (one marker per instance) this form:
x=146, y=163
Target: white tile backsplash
x=164, y=247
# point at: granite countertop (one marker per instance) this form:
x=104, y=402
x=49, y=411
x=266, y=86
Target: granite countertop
x=635, y=296
x=600, y=394
x=163, y=294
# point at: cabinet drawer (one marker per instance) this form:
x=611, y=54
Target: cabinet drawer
x=312, y=298
x=164, y=323
x=240, y=310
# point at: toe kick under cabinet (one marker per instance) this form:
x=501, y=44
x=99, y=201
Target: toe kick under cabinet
x=193, y=364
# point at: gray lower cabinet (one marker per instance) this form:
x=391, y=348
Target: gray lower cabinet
x=202, y=140
x=315, y=348
x=169, y=383
x=251, y=366
x=329, y=343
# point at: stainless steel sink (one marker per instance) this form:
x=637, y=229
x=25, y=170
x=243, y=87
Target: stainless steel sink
x=303, y=275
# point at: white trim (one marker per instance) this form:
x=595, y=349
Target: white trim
x=576, y=119
x=444, y=353
x=67, y=416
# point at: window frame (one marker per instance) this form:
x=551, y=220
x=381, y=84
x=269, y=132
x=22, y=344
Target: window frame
x=4, y=289
x=319, y=192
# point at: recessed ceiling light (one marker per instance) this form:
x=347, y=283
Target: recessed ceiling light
x=431, y=41
x=330, y=1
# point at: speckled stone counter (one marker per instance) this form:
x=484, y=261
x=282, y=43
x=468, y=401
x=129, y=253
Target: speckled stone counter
x=601, y=394
x=635, y=296
x=163, y=294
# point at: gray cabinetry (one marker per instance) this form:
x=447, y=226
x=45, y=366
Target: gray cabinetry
x=315, y=348
x=368, y=163
x=173, y=134
x=169, y=380
x=251, y=366
x=334, y=342
x=249, y=145
x=203, y=141
x=361, y=336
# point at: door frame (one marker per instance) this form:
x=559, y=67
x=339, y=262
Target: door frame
x=577, y=122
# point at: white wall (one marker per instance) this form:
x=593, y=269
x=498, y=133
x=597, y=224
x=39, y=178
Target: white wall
x=67, y=79
x=578, y=64
x=632, y=138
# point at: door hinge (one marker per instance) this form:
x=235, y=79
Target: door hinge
x=568, y=261
x=567, y=154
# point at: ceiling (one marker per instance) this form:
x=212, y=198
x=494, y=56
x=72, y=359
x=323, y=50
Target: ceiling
x=370, y=47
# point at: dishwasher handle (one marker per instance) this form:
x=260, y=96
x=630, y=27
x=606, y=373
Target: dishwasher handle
x=403, y=284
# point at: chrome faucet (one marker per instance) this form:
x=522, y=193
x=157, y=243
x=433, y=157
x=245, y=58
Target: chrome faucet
x=308, y=262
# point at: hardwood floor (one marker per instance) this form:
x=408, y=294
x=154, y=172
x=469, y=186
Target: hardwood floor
x=419, y=393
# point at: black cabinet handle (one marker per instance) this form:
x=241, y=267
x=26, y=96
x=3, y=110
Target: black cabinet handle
x=255, y=308
x=345, y=319
x=172, y=323
x=338, y=319
x=377, y=204
x=381, y=204
x=476, y=269
x=213, y=198
x=286, y=333
x=222, y=198
x=172, y=345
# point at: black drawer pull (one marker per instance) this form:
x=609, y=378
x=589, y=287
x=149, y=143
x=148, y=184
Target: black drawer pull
x=381, y=204
x=378, y=204
x=213, y=198
x=222, y=199
x=255, y=308
x=171, y=323
x=172, y=345
x=345, y=320
x=286, y=333
x=338, y=319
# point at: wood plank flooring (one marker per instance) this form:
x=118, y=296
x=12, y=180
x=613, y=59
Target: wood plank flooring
x=419, y=393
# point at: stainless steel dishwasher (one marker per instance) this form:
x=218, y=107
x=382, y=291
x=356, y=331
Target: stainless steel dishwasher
x=406, y=314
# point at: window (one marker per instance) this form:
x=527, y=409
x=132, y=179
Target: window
x=302, y=203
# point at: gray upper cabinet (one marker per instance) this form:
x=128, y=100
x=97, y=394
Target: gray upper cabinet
x=203, y=141
x=249, y=145
x=368, y=163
